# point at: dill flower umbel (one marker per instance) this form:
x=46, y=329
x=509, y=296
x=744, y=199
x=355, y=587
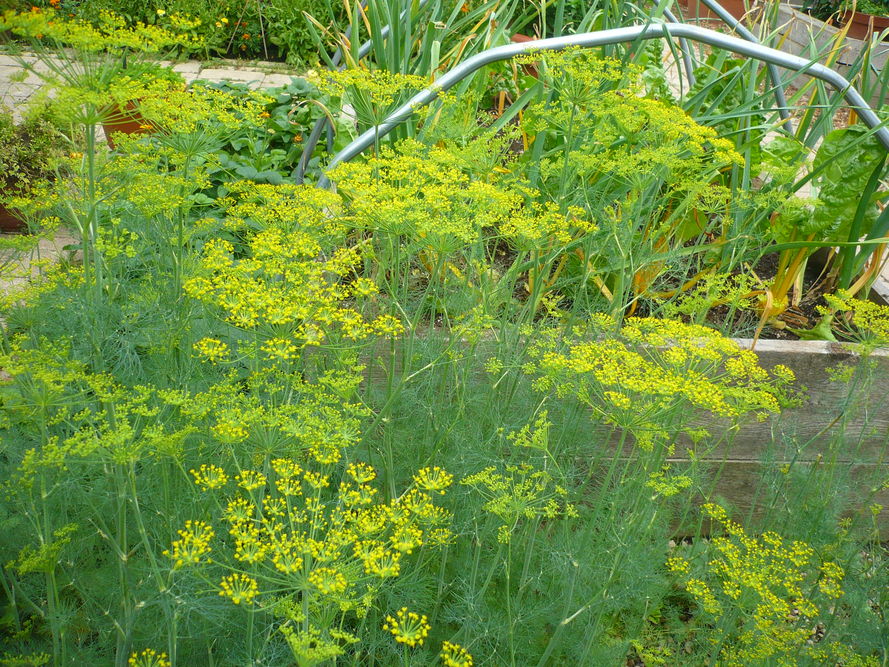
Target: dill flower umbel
x=658, y=368
x=328, y=580
x=454, y=655
x=211, y=349
x=209, y=476
x=193, y=545
x=149, y=658
x=239, y=588
x=408, y=627
x=433, y=479
x=521, y=493
x=250, y=479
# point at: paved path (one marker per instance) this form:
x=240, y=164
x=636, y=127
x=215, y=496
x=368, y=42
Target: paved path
x=18, y=85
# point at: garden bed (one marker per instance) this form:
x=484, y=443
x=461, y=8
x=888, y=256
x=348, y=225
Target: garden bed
x=417, y=417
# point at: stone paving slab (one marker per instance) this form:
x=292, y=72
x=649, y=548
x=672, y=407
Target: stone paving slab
x=17, y=270
x=18, y=84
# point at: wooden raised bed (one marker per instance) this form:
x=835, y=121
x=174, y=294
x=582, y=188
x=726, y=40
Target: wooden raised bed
x=827, y=427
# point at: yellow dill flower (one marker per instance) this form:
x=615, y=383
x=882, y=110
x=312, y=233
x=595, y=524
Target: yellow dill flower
x=831, y=576
x=678, y=565
x=211, y=349
x=328, y=580
x=406, y=537
x=250, y=479
x=361, y=472
x=383, y=563
x=285, y=556
x=454, y=655
x=250, y=547
x=521, y=492
x=239, y=510
x=209, y=476
x=281, y=349
x=286, y=468
x=767, y=581
x=310, y=647
x=289, y=486
x=239, y=588
x=658, y=368
x=618, y=399
x=407, y=627
x=316, y=480
x=351, y=495
x=193, y=544
x=867, y=322
x=433, y=479
x=149, y=658
x=702, y=592
x=667, y=485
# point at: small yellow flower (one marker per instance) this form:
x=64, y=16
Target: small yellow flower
x=211, y=349
x=454, y=655
x=328, y=580
x=209, y=476
x=161, y=12
x=408, y=627
x=361, y=472
x=433, y=479
x=224, y=20
x=193, y=544
x=149, y=658
x=250, y=479
x=239, y=588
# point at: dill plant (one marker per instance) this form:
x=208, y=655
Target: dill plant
x=385, y=424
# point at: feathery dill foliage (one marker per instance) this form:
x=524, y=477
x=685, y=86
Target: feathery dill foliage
x=255, y=423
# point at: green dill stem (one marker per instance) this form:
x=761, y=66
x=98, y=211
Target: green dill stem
x=569, y=138
x=494, y=565
x=163, y=586
x=12, y=599
x=529, y=552
x=124, y=631
x=251, y=612
x=52, y=600
x=439, y=596
x=509, y=618
x=92, y=212
x=606, y=483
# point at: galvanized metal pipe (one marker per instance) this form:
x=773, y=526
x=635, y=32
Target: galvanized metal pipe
x=615, y=36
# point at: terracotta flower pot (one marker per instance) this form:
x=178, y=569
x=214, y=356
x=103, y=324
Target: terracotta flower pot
x=127, y=120
x=10, y=222
x=698, y=10
x=863, y=26
x=519, y=38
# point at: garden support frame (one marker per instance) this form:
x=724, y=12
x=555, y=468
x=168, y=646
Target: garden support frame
x=604, y=38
